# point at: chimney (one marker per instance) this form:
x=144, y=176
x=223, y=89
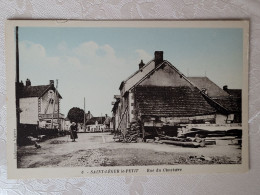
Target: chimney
x=28, y=82
x=51, y=82
x=158, y=57
x=21, y=84
x=141, y=65
x=225, y=87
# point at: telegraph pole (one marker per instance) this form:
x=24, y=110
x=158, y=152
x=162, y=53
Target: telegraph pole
x=59, y=124
x=84, y=124
x=54, y=102
x=17, y=87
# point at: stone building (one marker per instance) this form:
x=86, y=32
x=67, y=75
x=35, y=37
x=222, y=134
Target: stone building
x=160, y=97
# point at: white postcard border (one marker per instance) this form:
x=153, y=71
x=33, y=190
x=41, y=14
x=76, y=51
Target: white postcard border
x=20, y=173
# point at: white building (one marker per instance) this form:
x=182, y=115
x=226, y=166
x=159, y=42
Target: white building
x=40, y=106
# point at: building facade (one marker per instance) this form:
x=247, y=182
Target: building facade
x=96, y=124
x=99, y=124
x=160, y=97
x=40, y=106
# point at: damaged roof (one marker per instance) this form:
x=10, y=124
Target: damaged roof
x=171, y=101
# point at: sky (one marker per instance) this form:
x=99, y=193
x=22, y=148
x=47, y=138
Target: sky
x=92, y=62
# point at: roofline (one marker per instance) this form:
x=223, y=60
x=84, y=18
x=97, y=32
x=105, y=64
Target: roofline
x=121, y=85
x=211, y=82
x=203, y=94
x=48, y=89
x=235, y=89
x=210, y=113
x=123, y=82
x=206, y=96
x=139, y=70
x=149, y=73
x=156, y=68
x=181, y=74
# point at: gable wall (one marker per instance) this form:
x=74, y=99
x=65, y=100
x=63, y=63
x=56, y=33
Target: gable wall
x=44, y=104
x=137, y=77
x=165, y=76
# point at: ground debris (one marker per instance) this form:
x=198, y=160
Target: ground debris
x=57, y=142
x=185, y=142
x=206, y=160
x=90, y=151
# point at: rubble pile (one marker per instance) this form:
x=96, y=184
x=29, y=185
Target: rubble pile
x=131, y=135
x=201, y=159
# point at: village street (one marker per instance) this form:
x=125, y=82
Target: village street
x=99, y=149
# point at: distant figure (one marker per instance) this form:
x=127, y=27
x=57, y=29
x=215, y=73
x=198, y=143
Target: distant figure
x=73, y=131
x=37, y=146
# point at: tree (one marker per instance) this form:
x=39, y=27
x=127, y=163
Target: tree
x=76, y=115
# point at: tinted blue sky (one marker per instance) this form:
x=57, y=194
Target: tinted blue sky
x=91, y=62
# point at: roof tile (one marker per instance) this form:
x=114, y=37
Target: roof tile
x=171, y=101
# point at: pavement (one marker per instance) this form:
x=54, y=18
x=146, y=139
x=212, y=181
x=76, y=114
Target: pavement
x=99, y=149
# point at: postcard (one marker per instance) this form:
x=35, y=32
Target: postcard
x=106, y=98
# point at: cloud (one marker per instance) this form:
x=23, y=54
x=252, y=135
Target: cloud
x=108, y=49
x=143, y=55
x=86, y=49
x=63, y=47
x=87, y=70
x=85, y=55
x=35, y=55
x=97, y=56
x=29, y=49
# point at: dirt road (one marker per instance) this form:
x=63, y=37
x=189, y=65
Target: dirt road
x=99, y=149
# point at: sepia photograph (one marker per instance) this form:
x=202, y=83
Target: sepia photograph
x=142, y=96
